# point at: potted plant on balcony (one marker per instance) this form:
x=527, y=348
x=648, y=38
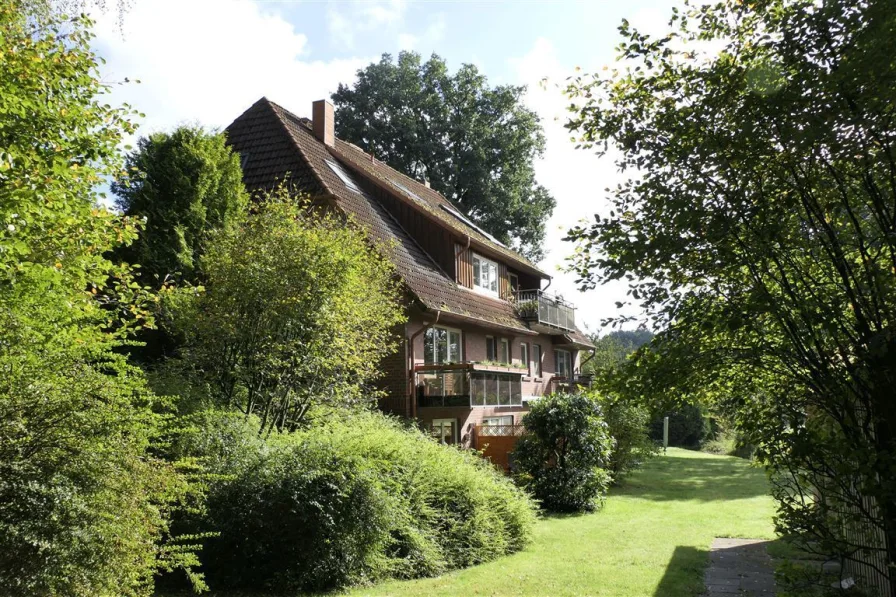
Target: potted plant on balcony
x=527, y=309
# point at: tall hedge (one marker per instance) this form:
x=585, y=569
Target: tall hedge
x=351, y=501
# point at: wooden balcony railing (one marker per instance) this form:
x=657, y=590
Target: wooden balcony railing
x=498, y=430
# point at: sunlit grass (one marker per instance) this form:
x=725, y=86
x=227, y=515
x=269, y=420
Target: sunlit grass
x=651, y=538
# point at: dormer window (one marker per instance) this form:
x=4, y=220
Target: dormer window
x=485, y=275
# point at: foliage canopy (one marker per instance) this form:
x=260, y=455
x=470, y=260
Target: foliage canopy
x=759, y=227
x=562, y=459
x=186, y=184
x=474, y=143
x=78, y=428
x=298, y=312
x=355, y=498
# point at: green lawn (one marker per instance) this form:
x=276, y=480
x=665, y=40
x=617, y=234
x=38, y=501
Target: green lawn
x=651, y=539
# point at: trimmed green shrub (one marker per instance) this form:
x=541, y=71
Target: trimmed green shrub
x=628, y=424
x=349, y=501
x=562, y=459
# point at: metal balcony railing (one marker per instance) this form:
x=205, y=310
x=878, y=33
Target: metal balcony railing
x=547, y=309
x=570, y=385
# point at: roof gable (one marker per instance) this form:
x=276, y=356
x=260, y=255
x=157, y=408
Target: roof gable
x=277, y=146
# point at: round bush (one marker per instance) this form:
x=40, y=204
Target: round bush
x=301, y=519
x=562, y=459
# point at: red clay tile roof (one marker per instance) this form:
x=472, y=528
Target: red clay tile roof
x=277, y=146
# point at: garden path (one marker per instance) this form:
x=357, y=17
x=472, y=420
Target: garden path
x=739, y=567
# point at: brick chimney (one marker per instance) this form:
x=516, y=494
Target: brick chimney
x=322, y=122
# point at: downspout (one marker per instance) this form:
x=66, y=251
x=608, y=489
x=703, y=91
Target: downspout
x=412, y=375
x=582, y=364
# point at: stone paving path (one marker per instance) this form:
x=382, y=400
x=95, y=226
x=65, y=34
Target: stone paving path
x=739, y=567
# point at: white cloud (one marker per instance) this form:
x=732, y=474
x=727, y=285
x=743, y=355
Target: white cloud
x=407, y=41
x=430, y=36
x=576, y=178
x=361, y=16
x=206, y=62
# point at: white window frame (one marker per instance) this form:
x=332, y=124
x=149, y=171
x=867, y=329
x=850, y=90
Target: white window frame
x=539, y=361
x=524, y=357
x=491, y=355
x=448, y=331
x=503, y=351
x=440, y=423
x=344, y=176
x=567, y=373
x=500, y=380
x=498, y=420
x=492, y=266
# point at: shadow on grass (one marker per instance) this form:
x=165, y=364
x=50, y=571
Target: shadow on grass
x=684, y=573
x=679, y=477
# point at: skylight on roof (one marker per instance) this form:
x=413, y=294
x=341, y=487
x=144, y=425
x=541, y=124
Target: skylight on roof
x=408, y=191
x=343, y=176
x=470, y=223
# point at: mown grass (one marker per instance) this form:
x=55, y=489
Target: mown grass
x=651, y=538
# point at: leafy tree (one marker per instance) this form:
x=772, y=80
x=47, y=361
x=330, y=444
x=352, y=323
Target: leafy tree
x=626, y=414
x=297, y=313
x=84, y=501
x=186, y=184
x=562, y=458
x=475, y=144
x=758, y=226
x=612, y=349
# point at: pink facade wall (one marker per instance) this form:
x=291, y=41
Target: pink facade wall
x=473, y=340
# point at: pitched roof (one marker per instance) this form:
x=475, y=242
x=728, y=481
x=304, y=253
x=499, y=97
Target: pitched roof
x=275, y=145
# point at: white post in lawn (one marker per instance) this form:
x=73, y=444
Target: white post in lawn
x=665, y=433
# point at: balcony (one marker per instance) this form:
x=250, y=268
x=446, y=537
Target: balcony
x=569, y=385
x=537, y=306
x=469, y=385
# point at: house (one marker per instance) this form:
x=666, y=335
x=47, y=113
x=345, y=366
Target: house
x=483, y=337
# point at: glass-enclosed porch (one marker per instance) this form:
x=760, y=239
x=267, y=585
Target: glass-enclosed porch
x=468, y=385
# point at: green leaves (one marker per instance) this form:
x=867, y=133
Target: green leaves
x=185, y=184
x=297, y=314
x=84, y=499
x=475, y=144
x=563, y=457
x=761, y=208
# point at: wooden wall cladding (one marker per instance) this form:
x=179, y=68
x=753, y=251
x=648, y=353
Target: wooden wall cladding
x=464, y=265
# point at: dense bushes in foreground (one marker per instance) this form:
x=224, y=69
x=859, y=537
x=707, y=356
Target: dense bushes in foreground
x=349, y=501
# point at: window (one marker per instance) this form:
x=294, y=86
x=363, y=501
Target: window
x=563, y=363
x=514, y=282
x=502, y=420
x=495, y=389
x=469, y=223
x=441, y=345
x=524, y=357
x=444, y=430
x=485, y=275
x=343, y=176
x=408, y=192
x=491, y=349
x=505, y=351
x=536, y=356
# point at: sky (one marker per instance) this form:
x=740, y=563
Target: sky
x=206, y=61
